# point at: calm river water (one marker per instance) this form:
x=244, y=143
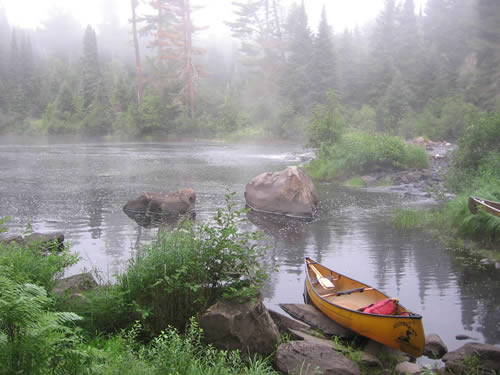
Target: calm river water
x=80, y=189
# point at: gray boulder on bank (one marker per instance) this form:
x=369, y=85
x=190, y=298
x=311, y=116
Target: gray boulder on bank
x=307, y=357
x=247, y=327
x=408, y=368
x=74, y=284
x=289, y=192
x=316, y=319
x=435, y=348
x=53, y=241
x=488, y=355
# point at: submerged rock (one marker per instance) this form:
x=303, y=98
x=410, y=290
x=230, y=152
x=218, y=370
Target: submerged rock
x=289, y=192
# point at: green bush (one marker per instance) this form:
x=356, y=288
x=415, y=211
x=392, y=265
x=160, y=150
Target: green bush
x=359, y=153
x=328, y=123
x=185, y=271
x=28, y=264
x=478, y=140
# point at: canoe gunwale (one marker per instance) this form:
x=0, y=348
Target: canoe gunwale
x=410, y=316
x=491, y=207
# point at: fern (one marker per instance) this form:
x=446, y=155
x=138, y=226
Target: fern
x=32, y=338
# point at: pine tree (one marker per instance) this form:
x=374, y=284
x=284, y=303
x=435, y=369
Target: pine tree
x=138, y=65
x=296, y=83
x=4, y=43
x=394, y=105
x=383, y=52
x=488, y=55
x=258, y=26
x=323, y=72
x=91, y=75
x=408, y=45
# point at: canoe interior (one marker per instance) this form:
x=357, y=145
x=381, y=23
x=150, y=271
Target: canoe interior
x=341, y=298
x=353, y=301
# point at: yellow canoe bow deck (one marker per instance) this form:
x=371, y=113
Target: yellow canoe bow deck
x=342, y=299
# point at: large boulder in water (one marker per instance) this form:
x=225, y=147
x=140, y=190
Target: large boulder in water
x=289, y=192
x=171, y=204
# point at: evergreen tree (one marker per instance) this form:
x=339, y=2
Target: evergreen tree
x=17, y=99
x=29, y=80
x=91, y=75
x=383, y=50
x=488, y=54
x=296, y=83
x=408, y=44
x=323, y=72
x=394, y=105
x=258, y=26
x=4, y=48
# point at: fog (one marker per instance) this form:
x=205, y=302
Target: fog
x=71, y=67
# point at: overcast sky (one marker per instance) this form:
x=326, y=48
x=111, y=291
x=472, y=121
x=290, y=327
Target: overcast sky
x=341, y=13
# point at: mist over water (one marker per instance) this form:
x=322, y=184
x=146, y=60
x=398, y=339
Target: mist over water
x=80, y=189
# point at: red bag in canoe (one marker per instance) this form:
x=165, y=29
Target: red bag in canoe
x=387, y=306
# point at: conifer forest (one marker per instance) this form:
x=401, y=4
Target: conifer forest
x=408, y=72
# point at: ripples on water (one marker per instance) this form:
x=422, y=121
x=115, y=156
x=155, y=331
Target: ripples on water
x=80, y=189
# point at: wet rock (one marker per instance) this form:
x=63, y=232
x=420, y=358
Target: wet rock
x=74, y=284
x=151, y=207
x=435, y=348
x=485, y=261
x=302, y=336
x=370, y=360
x=408, y=368
x=247, y=327
x=289, y=192
x=488, y=355
x=316, y=319
x=53, y=241
x=374, y=348
x=286, y=324
x=463, y=337
x=369, y=180
x=306, y=358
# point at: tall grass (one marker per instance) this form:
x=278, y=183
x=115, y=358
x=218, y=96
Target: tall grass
x=359, y=153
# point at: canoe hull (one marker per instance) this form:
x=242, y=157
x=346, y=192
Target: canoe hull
x=405, y=333
x=491, y=207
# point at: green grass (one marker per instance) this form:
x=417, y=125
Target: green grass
x=359, y=153
x=356, y=182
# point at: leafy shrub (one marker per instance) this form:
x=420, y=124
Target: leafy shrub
x=28, y=264
x=328, y=123
x=359, y=153
x=171, y=353
x=478, y=140
x=185, y=271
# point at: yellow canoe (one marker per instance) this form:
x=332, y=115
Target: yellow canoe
x=489, y=206
x=342, y=299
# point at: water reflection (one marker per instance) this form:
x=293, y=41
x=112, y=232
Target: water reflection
x=80, y=190
x=288, y=229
